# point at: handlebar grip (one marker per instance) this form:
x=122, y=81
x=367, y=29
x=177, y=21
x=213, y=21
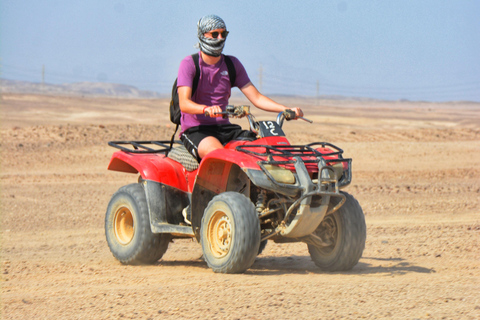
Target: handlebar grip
x=224, y=114
x=290, y=114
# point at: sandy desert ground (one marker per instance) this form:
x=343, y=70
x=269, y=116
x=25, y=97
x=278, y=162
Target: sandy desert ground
x=416, y=175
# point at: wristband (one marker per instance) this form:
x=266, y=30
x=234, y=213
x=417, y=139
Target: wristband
x=203, y=111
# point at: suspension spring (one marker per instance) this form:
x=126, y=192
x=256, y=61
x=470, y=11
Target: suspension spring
x=261, y=202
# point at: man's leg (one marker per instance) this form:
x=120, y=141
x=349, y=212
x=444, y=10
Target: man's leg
x=207, y=145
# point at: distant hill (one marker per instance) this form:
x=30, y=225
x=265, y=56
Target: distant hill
x=79, y=88
x=100, y=89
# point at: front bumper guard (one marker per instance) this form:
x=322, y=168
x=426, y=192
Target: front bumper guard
x=301, y=219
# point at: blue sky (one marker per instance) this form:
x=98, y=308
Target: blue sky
x=405, y=49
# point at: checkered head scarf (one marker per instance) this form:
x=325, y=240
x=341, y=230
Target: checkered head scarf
x=210, y=46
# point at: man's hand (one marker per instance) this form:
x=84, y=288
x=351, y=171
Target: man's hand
x=298, y=112
x=291, y=114
x=213, y=111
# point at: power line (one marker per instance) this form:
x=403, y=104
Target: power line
x=313, y=85
x=271, y=83
x=9, y=71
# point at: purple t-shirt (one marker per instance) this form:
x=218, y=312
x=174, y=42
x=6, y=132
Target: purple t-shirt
x=213, y=88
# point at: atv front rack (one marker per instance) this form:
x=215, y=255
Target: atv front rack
x=151, y=146
x=289, y=151
x=285, y=155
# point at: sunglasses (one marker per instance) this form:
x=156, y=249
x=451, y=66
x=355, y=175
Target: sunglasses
x=215, y=34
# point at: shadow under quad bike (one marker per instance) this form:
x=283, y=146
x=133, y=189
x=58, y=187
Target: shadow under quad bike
x=236, y=199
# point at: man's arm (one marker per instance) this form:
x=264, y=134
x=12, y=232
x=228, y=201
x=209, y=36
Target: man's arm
x=191, y=107
x=263, y=102
x=186, y=103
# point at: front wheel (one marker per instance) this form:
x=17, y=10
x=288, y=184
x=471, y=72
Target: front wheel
x=263, y=244
x=230, y=233
x=345, y=230
x=127, y=228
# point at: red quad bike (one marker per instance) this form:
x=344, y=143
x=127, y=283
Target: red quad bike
x=236, y=199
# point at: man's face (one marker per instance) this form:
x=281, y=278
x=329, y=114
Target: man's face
x=216, y=34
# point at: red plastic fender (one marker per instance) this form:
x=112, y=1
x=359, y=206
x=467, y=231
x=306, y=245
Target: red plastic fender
x=214, y=168
x=155, y=167
x=269, y=141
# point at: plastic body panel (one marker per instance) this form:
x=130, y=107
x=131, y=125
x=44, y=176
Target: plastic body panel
x=155, y=167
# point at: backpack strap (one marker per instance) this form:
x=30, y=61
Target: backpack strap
x=196, y=78
x=172, y=140
x=232, y=73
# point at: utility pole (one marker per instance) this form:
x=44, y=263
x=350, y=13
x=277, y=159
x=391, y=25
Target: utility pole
x=42, y=87
x=260, y=78
x=318, y=92
x=43, y=74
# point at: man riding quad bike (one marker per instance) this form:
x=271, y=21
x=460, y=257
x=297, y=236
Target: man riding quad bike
x=236, y=199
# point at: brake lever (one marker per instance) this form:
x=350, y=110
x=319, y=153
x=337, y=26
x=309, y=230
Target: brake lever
x=305, y=119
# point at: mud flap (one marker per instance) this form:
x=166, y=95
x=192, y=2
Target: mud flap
x=165, y=205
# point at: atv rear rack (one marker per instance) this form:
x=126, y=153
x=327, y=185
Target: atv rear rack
x=143, y=146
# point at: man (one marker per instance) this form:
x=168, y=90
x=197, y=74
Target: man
x=202, y=134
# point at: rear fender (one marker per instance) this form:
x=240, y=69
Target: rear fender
x=151, y=166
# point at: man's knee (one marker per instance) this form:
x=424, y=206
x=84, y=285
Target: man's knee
x=208, y=145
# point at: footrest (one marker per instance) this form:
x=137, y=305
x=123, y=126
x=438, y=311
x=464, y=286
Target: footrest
x=172, y=228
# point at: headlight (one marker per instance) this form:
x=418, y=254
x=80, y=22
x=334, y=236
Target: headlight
x=280, y=174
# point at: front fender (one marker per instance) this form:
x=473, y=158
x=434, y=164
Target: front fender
x=220, y=171
x=243, y=160
x=214, y=171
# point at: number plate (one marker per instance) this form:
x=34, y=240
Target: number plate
x=270, y=129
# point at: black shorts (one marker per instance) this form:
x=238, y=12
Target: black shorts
x=224, y=133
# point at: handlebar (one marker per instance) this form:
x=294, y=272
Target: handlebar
x=244, y=110
x=305, y=119
x=233, y=112
x=288, y=115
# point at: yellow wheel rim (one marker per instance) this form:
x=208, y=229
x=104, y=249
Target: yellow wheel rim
x=219, y=234
x=329, y=233
x=123, y=225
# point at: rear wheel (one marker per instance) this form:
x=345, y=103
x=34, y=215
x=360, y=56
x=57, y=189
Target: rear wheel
x=230, y=233
x=345, y=231
x=127, y=228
